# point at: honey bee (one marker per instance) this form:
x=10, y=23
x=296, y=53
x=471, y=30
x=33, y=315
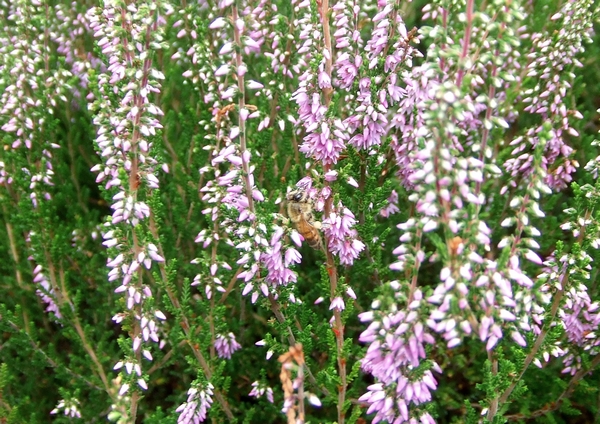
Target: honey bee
x=299, y=209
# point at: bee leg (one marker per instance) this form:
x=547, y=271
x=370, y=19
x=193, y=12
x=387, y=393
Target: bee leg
x=282, y=218
x=316, y=224
x=309, y=217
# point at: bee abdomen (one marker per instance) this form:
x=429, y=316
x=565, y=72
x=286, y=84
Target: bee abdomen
x=315, y=243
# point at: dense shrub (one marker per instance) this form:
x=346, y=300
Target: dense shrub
x=299, y=211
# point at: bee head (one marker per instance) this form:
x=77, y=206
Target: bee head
x=297, y=196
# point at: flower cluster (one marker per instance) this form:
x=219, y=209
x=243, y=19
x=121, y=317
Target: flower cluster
x=346, y=16
x=552, y=67
x=566, y=276
x=234, y=186
x=195, y=409
x=391, y=207
x=419, y=86
x=70, y=407
x=259, y=389
x=341, y=236
x=477, y=295
x=46, y=292
x=396, y=350
x=131, y=368
x=324, y=139
x=24, y=117
x=226, y=345
x=69, y=35
x=125, y=131
x=429, y=163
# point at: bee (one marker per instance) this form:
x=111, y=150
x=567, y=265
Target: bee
x=299, y=210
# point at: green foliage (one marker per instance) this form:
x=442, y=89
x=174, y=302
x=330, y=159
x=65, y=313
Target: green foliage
x=56, y=233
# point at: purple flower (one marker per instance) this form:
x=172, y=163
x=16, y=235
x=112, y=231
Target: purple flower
x=391, y=407
x=259, y=389
x=324, y=140
x=347, y=69
x=46, y=292
x=553, y=73
x=323, y=145
x=347, y=42
x=342, y=238
x=198, y=403
x=396, y=346
x=226, y=345
x=392, y=206
x=578, y=315
x=275, y=259
x=337, y=303
x=70, y=407
x=419, y=88
x=369, y=119
x=276, y=264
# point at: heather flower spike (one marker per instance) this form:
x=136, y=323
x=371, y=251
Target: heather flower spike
x=194, y=410
x=226, y=345
x=383, y=202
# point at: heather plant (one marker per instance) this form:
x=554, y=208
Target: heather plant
x=442, y=265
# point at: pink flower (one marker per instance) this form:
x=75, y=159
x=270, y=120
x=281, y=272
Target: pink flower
x=195, y=410
x=226, y=345
x=342, y=237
